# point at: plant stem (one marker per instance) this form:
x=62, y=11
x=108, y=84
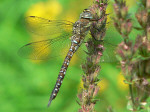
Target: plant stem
x=95, y=49
x=131, y=94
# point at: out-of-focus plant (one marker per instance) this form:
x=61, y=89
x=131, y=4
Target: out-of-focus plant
x=134, y=56
x=95, y=49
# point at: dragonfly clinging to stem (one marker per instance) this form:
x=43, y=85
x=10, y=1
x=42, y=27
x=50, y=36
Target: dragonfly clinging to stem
x=41, y=26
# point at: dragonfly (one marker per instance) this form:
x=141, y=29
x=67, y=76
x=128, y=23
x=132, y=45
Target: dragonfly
x=43, y=27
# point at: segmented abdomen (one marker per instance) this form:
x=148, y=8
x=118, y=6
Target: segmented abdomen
x=72, y=50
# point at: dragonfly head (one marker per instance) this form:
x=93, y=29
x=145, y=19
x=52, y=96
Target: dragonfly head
x=86, y=14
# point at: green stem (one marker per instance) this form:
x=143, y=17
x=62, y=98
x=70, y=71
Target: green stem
x=131, y=94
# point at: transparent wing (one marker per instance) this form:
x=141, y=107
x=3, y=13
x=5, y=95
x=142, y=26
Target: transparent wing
x=46, y=49
x=109, y=55
x=45, y=27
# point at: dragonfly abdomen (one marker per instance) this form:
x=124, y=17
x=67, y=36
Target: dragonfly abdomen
x=63, y=70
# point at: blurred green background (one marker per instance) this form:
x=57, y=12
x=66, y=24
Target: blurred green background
x=25, y=85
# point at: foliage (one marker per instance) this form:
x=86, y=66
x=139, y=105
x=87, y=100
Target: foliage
x=134, y=55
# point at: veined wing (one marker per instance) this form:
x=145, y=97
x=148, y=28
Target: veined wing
x=46, y=49
x=109, y=55
x=45, y=27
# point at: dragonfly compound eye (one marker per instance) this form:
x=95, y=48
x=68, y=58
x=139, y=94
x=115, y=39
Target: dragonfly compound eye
x=86, y=14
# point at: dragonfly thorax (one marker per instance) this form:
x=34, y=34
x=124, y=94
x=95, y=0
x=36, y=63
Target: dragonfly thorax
x=81, y=27
x=77, y=28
